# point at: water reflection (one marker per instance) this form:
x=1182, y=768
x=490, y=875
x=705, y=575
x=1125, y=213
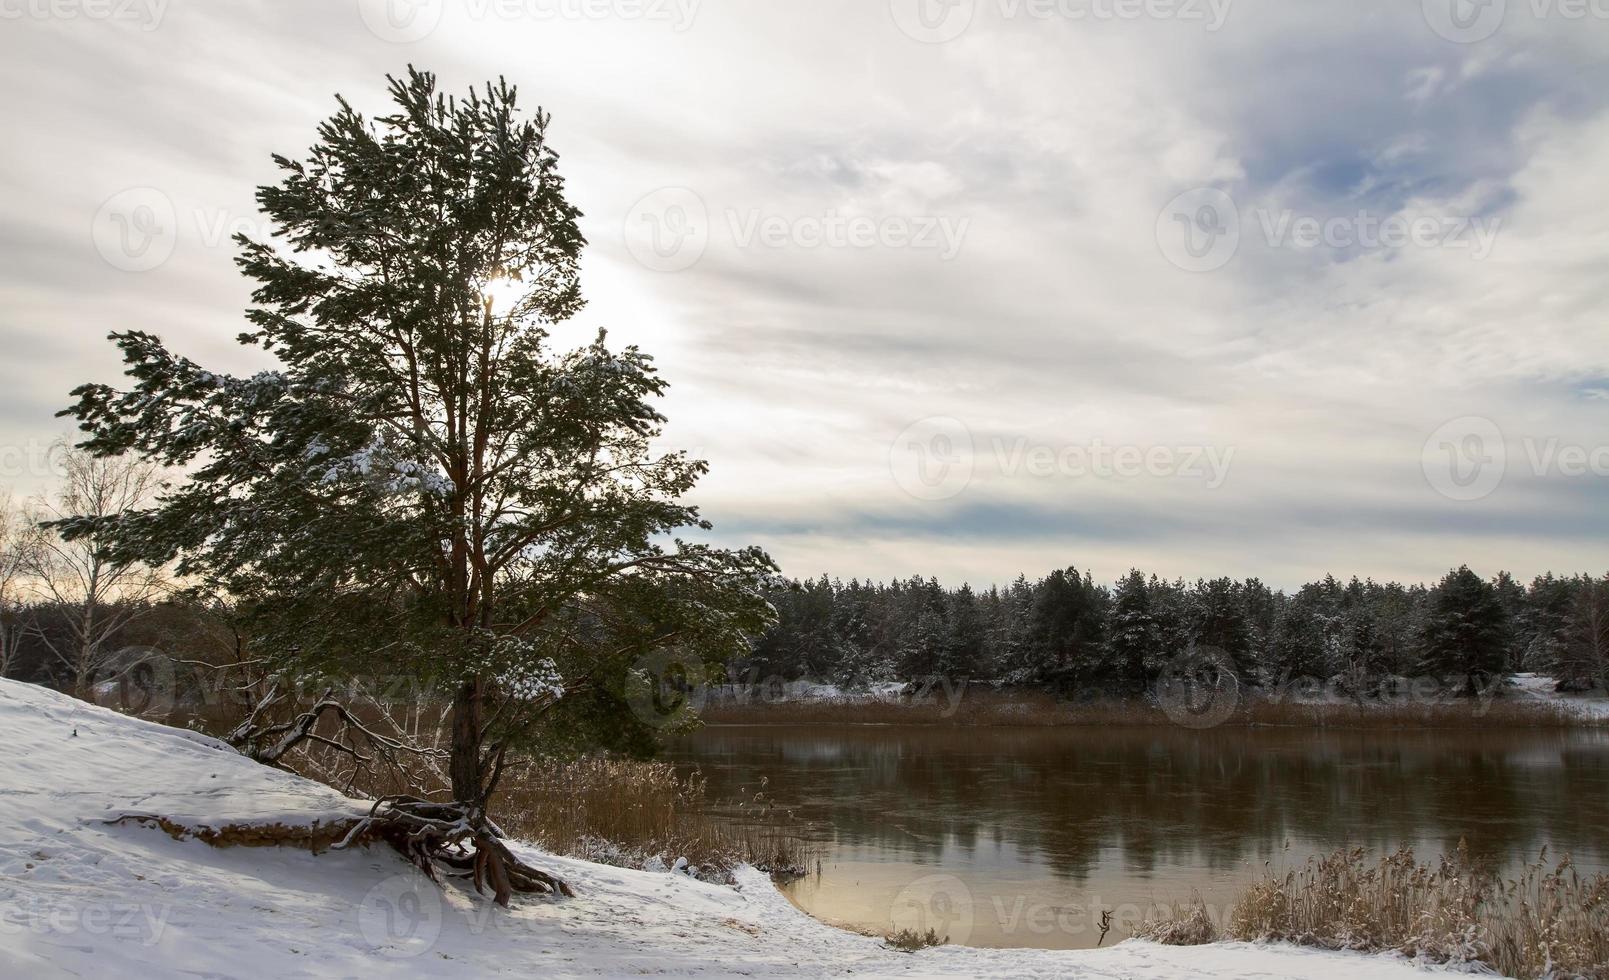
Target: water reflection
x=1079, y=819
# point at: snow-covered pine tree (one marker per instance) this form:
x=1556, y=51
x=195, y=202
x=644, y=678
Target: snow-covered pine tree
x=425, y=485
x=1584, y=654
x=1133, y=636
x=1465, y=629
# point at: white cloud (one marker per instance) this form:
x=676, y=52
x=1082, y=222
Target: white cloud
x=1059, y=320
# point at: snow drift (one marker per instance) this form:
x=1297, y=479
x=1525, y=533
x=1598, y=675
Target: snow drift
x=83, y=895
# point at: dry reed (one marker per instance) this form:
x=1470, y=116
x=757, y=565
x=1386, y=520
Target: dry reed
x=1546, y=921
x=645, y=814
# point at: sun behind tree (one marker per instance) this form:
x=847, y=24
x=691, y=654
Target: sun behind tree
x=425, y=486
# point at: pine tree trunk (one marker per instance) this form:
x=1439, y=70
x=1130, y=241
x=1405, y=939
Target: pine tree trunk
x=464, y=764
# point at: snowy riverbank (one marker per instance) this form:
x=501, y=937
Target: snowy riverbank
x=82, y=897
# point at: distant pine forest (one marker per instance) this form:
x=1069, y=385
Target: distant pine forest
x=1064, y=633
x=1068, y=633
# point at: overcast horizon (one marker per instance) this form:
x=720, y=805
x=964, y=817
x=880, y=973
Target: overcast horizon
x=961, y=289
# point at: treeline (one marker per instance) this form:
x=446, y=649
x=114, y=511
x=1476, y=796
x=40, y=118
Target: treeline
x=1068, y=633
x=48, y=642
x=1063, y=633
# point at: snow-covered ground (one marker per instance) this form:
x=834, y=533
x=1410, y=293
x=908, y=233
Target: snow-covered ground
x=80, y=897
x=780, y=692
x=1539, y=687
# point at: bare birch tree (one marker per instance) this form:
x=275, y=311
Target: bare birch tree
x=19, y=545
x=95, y=594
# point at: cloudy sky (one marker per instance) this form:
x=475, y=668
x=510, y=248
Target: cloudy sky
x=962, y=288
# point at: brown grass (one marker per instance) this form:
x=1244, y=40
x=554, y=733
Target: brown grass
x=909, y=940
x=1034, y=709
x=1418, y=714
x=1547, y=921
x=1189, y=925
x=643, y=813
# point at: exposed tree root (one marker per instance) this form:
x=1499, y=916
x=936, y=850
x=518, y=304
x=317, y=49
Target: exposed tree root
x=314, y=837
x=456, y=836
x=428, y=834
